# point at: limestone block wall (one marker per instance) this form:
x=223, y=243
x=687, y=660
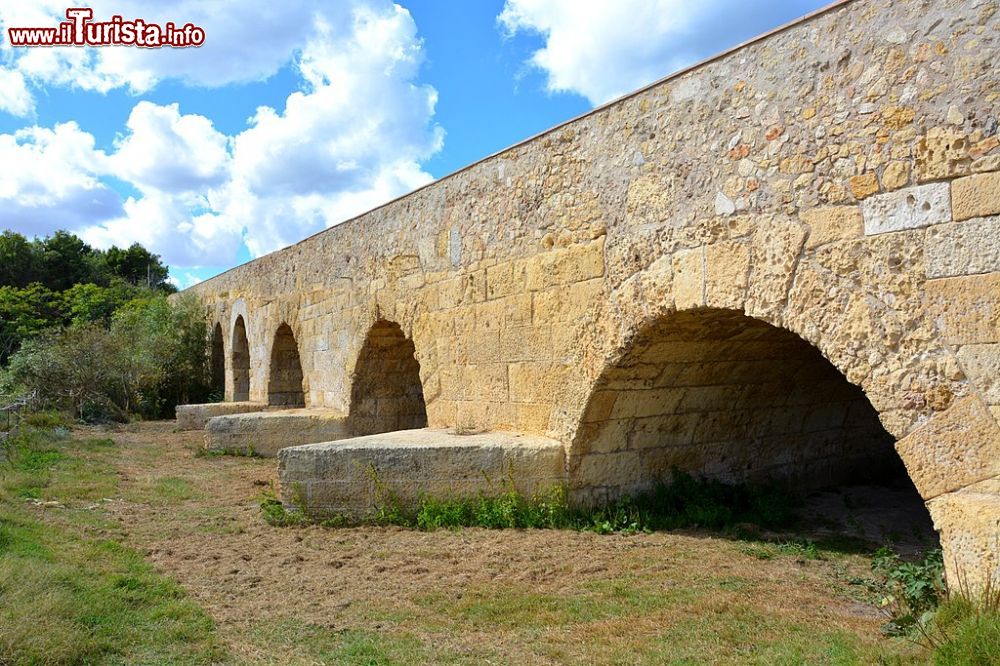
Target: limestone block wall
x=837, y=180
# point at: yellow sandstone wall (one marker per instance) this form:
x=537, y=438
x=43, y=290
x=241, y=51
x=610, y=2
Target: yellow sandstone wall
x=839, y=180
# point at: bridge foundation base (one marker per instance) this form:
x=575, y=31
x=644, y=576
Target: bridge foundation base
x=352, y=477
x=194, y=417
x=264, y=433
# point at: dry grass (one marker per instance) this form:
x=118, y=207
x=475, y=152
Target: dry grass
x=389, y=595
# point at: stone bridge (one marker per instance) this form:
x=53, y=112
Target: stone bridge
x=783, y=263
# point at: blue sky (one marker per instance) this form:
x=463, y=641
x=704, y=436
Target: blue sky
x=295, y=116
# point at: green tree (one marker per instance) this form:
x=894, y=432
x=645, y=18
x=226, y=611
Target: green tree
x=25, y=313
x=84, y=303
x=17, y=260
x=76, y=367
x=64, y=260
x=137, y=265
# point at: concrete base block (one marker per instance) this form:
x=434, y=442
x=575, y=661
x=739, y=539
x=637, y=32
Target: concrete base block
x=350, y=476
x=194, y=417
x=266, y=433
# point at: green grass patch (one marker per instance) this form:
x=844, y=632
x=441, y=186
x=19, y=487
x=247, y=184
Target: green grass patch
x=69, y=598
x=302, y=642
x=682, y=502
x=967, y=632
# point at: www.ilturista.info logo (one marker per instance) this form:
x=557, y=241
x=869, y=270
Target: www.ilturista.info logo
x=80, y=30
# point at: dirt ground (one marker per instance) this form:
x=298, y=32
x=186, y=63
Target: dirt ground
x=202, y=525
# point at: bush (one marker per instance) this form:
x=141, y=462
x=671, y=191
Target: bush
x=153, y=357
x=909, y=592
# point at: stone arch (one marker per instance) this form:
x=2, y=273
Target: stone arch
x=217, y=360
x=720, y=394
x=240, y=359
x=285, y=385
x=386, y=391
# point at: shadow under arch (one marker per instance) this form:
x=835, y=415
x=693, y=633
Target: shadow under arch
x=722, y=395
x=240, y=361
x=285, y=379
x=386, y=392
x=217, y=366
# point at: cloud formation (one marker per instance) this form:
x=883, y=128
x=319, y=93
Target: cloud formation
x=602, y=50
x=353, y=136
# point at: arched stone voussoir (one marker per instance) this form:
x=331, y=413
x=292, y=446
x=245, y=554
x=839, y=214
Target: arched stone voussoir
x=957, y=448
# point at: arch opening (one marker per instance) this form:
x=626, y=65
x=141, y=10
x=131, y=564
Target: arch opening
x=386, y=392
x=240, y=361
x=217, y=367
x=284, y=387
x=723, y=396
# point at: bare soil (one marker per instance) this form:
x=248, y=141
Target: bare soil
x=198, y=520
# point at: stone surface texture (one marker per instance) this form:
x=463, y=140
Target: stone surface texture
x=265, y=433
x=353, y=476
x=194, y=417
x=541, y=287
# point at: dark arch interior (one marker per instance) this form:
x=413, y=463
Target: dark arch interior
x=241, y=362
x=218, y=361
x=285, y=385
x=723, y=396
x=386, y=393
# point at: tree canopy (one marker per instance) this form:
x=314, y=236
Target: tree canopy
x=60, y=280
x=62, y=260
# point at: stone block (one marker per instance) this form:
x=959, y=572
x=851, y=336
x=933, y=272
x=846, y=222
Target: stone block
x=566, y=265
x=965, y=309
x=963, y=248
x=956, y=448
x=689, y=278
x=266, y=433
x=969, y=524
x=942, y=153
x=982, y=366
x=727, y=268
x=976, y=196
x=830, y=224
x=194, y=417
x=352, y=476
x=909, y=208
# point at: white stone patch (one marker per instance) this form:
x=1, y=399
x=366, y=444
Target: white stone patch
x=687, y=88
x=910, y=208
x=724, y=205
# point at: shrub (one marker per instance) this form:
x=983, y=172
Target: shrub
x=909, y=592
x=153, y=357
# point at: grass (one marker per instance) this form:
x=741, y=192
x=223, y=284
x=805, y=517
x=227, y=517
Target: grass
x=71, y=592
x=682, y=502
x=67, y=596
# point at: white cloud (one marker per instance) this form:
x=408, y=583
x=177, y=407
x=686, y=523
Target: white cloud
x=15, y=98
x=352, y=138
x=244, y=42
x=167, y=151
x=53, y=180
x=602, y=50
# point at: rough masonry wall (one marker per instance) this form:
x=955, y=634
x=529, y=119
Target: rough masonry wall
x=838, y=180
x=732, y=398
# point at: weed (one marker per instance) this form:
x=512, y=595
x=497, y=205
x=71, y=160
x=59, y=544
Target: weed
x=909, y=592
x=804, y=549
x=276, y=514
x=682, y=502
